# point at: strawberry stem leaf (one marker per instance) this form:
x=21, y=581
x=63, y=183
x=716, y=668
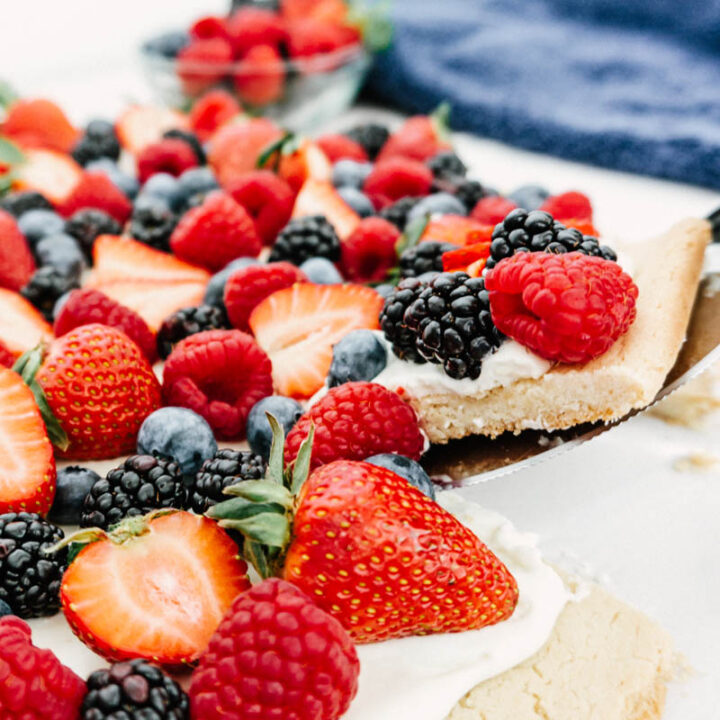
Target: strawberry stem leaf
x=268, y=528
x=275, y=148
x=412, y=234
x=440, y=119
x=7, y=94
x=301, y=468
x=239, y=508
x=261, y=491
x=277, y=451
x=10, y=153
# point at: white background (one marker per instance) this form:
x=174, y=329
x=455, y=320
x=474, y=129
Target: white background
x=651, y=532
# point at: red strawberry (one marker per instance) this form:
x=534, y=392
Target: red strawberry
x=27, y=480
x=569, y=206
x=87, y=306
x=166, y=583
x=100, y=387
x=249, y=27
x=314, y=669
x=48, y=172
x=7, y=358
x=22, y=327
x=268, y=199
x=330, y=10
x=396, y=178
x=220, y=374
x=318, y=197
x=39, y=123
x=35, y=684
x=339, y=147
x=370, y=251
x=420, y=137
x=211, y=111
x=458, y=230
x=96, y=190
x=172, y=156
x=208, y=27
x=260, y=77
x=203, y=63
x=298, y=327
x=492, y=210
x=354, y=421
x=140, y=125
x=215, y=233
x=16, y=260
x=247, y=287
x=310, y=36
x=307, y=162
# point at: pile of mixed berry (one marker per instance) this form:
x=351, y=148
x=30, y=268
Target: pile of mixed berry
x=262, y=268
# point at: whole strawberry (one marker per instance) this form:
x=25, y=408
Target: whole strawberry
x=100, y=387
x=276, y=638
x=420, y=137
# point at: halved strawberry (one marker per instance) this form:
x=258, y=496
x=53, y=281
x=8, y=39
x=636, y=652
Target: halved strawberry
x=470, y=259
x=27, y=475
x=51, y=173
x=141, y=125
x=458, y=230
x=22, y=327
x=307, y=162
x=158, y=593
x=297, y=327
x=16, y=260
x=320, y=198
x=37, y=122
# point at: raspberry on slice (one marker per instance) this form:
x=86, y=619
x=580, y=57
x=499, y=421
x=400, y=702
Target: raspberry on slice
x=492, y=210
x=341, y=147
x=220, y=374
x=368, y=254
x=357, y=420
x=171, y=155
x=569, y=206
x=247, y=287
x=569, y=308
x=396, y=178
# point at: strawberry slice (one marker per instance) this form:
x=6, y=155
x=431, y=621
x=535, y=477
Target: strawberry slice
x=320, y=198
x=27, y=478
x=470, y=259
x=51, y=173
x=297, y=327
x=305, y=163
x=37, y=122
x=458, y=230
x=22, y=327
x=141, y=125
x=157, y=594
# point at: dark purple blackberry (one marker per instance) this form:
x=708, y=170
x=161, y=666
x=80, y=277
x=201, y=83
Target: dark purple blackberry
x=306, y=238
x=447, y=165
x=186, y=322
x=134, y=690
x=46, y=285
x=451, y=323
x=152, y=222
x=191, y=139
x=87, y=225
x=398, y=212
x=228, y=467
x=30, y=578
x=371, y=136
x=141, y=484
x=392, y=323
x=98, y=141
x=17, y=203
x=469, y=193
x=423, y=258
x=536, y=231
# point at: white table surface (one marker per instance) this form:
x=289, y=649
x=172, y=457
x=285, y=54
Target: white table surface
x=616, y=504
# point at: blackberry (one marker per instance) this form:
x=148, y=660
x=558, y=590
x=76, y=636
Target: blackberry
x=447, y=165
x=98, y=141
x=469, y=193
x=18, y=203
x=536, y=231
x=228, y=467
x=134, y=690
x=306, y=238
x=398, y=212
x=152, y=222
x=371, y=136
x=46, y=285
x=87, y=225
x=30, y=578
x=400, y=337
x=451, y=323
x=191, y=139
x=424, y=257
x=141, y=484
x=186, y=322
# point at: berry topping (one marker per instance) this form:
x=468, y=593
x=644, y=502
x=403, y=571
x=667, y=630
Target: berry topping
x=16, y=260
x=73, y=484
x=186, y=322
x=492, y=210
x=321, y=271
x=396, y=305
x=424, y=258
x=370, y=252
x=170, y=155
x=341, y=147
x=398, y=212
x=18, y=203
x=259, y=433
x=371, y=136
x=54, y=175
x=22, y=327
x=211, y=111
x=62, y=252
x=397, y=178
x=202, y=64
x=359, y=356
x=320, y=198
x=568, y=206
x=98, y=141
x=350, y=173
x=530, y=197
x=306, y=238
x=46, y=285
x=419, y=138
x=40, y=223
x=87, y=225
x=96, y=190
x=440, y=203
x=406, y=468
x=37, y=122
x=215, y=289
x=447, y=165
x=153, y=222
x=260, y=79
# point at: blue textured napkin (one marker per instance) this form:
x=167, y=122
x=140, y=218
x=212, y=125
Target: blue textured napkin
x=627, y=84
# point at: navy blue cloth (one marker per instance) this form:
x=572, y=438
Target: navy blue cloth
x=626, y=84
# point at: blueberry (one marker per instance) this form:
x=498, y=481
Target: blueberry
x=58, y=306
x=5, y=609
x=165, y=187
x=180, y=434
x=530, y=197
x=61, y=251
x=168, y=44
x=285, y=410
x=37, y=224
x=358, y=201
x=73, y=484
x=195, y=183
x=441, y=203
x=359, y=356
x=216, y=287
x=124, y=182
x=406, y=468
x=349, y=173
x=321, y=271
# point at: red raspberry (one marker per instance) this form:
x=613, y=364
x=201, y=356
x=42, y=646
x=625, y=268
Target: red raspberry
x=341, y=147
x=87, y=306
x=34, y=684
x=215, y=233
x=260, y=78
x=203, y=63
x=16, y=260
x=208, y=27
x=268, y=199
x=172, y=156
x=275, y=655
x=249, y=27
x=96, y=190
x=211, y=111
x=396, y=178
x=220, y=374
x=313, y=36
x=569, y=206
x=569, y=308
x=354, y=421
x=368, y=254
x=492, y=210
x=248, y=286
